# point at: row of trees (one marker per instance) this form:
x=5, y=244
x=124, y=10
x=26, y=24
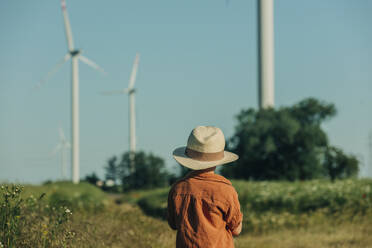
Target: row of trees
x=149, y=171
x=273, y=144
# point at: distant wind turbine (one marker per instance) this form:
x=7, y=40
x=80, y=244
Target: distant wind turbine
x=75, y=56
x=62, y=146
x=132, y=115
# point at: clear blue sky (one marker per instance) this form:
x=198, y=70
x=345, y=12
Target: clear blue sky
x=198, y=67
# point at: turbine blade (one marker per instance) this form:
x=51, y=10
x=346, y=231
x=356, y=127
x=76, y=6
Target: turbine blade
x=53, y=71
x=132, y=79
x=113, y=92
x=91, y=63
x=62, y=135
x=70, y=42
x=58, y=147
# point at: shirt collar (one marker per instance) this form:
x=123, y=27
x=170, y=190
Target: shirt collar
x=208, y=176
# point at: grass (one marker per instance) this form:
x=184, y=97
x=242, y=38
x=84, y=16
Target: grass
x=126, y=225
x=40, y=216
x=270, y=206
x=347, y=235
x=126, y=220
x=83, y=196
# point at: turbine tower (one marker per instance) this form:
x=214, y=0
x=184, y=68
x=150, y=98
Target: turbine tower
x=265, y=43
x=62, y=146
x=132, y=113
x=75, y=56
x=265, y=20
x=369, y=171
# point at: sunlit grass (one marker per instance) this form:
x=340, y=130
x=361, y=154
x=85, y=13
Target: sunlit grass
x=270, y=206
x=51, y=216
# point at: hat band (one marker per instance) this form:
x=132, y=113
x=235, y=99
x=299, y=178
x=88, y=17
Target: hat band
x=204, y=156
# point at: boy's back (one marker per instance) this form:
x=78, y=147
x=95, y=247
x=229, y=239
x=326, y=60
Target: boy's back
x=204, y=209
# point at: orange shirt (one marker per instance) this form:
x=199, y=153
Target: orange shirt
x=204, y=208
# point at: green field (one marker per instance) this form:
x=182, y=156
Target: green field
x=276, y=214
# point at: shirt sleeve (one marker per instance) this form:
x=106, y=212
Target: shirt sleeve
x=170, y=212
x=234, y=216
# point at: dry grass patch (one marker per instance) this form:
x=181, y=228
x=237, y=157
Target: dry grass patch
x=121, y=226
x=356, y=235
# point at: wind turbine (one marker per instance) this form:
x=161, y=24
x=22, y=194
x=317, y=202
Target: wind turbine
x=75, y=56
x=265, y=41
x=132, y=115
x=265, y=19
x=62, y=146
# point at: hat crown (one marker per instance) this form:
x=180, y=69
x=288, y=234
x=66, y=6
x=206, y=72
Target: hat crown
x=207, y=139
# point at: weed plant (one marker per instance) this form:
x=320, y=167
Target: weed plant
x=32, y=221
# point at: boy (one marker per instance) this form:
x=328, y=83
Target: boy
x=203, y=207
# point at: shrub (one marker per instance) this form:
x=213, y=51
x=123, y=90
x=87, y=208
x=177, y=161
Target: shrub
x=29, y=222
x=10, y=212
x=39, y=216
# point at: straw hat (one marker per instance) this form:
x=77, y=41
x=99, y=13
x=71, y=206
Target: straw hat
x=205, y=149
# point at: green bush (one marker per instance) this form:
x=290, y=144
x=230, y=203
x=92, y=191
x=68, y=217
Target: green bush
x=303, y=197
x=83, y=196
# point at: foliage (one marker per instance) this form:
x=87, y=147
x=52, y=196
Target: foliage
x=112, y=170
x=29, y=222
x=274, y=205
x=125, y=225
x=148, y=171
x=284, y=144
x=340, y=165
x=10, y=210
x=303, y=197
x=83, y=196
x=92, y=178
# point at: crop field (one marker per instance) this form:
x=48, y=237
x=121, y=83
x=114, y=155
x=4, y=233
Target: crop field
x=276, y=214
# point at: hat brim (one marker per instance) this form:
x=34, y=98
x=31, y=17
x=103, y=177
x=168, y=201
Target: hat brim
x=180, y=156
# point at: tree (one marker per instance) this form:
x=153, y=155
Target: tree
x=149, y=171
x=283, y=144
x=340, y=165
x=112, y=170
x=92, y=178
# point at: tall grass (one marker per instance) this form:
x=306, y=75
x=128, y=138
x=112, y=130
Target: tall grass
x=66, y=215
x=304, y=197
x=84, y=196
x=269, y=206
x=40, y=216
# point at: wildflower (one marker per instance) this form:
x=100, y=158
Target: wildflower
x=364, y=196
x=1, y=245
x=68, y=211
